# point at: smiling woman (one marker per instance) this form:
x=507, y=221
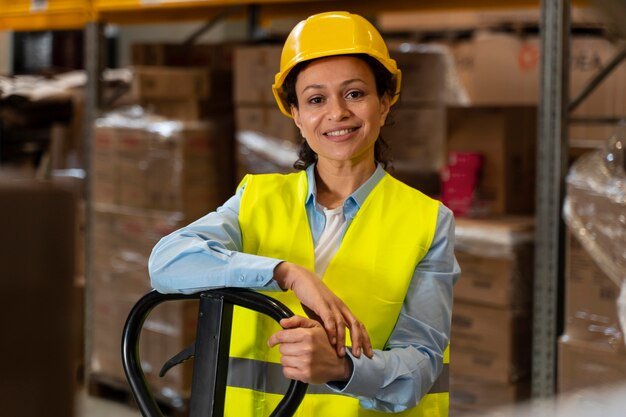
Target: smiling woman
x=368, y=261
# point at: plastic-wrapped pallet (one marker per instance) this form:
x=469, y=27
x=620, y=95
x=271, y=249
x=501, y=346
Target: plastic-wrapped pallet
x=592, y=348
x=150, y=177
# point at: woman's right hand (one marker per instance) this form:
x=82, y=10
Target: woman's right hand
x=334, y=315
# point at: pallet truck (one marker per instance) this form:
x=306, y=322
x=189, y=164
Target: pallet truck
x=210, y=349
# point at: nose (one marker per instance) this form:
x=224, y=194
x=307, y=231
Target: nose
x=338, y=109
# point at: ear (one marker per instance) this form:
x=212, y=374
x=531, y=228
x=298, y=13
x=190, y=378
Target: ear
x=385, y=106
x=296, y=116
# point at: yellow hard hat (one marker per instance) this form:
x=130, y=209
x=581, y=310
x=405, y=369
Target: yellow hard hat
x=328, y=34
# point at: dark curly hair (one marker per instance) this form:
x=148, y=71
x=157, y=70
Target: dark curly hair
x=385, y=84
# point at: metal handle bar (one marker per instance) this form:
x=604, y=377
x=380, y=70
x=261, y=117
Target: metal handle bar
x=219, y=302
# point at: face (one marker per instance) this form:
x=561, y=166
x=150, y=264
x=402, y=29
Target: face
x=339, y=112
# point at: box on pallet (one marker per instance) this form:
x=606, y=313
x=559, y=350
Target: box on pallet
x=502, y=69
x=254, y=71
x=168, y=330
x=424, y=70
x=496, y=260
x=218, y=56
x=478, y=396
x=490, y=342
x=416, y=135
x=506, y=137
x=584, y=364
x=267, y=120
x=163, y=165
x=182, y=93
x=591, y=311
x=159, y=175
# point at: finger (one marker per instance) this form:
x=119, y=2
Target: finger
x=356, y=336
x=341, y=337
x=298, y=321
x=297, y=335
x=361, y=342
x=330, y=325
x=367, y=345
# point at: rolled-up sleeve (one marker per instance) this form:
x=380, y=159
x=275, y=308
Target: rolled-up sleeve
x=208, y=254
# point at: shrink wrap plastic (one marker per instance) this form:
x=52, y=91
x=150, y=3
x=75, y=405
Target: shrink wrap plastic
x=595, y=210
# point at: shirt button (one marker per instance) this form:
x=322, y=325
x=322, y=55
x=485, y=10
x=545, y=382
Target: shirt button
x=259, y=278
x=242, y=277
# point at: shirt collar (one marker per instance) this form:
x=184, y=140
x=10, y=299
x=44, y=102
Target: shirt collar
x=357, y=197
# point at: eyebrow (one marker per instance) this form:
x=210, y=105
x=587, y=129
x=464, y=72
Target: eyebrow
x=320, y=86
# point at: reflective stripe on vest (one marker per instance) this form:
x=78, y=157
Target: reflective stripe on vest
x=370, y=272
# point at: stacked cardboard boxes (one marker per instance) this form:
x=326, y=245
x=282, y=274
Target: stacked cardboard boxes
x=266, y=140
x=415, y=128
x=504, y=69
x=591, y=350
x=490, y=342
x=153, y=174
x=505, y=137
x=149, y=179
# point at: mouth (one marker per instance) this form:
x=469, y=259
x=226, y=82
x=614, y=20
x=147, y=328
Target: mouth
x=340, y=132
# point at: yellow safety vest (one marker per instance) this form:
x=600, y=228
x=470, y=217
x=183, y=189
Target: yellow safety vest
x=370, y=272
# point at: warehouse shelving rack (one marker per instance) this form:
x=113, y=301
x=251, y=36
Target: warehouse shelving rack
x=92, y=15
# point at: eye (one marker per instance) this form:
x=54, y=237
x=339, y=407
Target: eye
x=354, y=94
x=315, y=100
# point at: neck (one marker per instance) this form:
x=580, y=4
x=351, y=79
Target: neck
x=336, y=182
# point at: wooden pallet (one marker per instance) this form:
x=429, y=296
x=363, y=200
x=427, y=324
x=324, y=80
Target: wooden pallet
x=113, y=389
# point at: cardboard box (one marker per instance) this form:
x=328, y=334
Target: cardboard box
x=185, y=93
x=423, y=74
x=496, y=260
x=583, y=364
x=416, y=135
x=588, y=56
x=506, y=137
x=123, y=241
x=474, y=394
x=188, y=168
x=255, y=68
x=591, y=312
x=218, y=56
x=506, y=70
x=267, y=120
x=503, y=69
x=259, y=154
x=490, y=342
x=166, y=83
x=38, y=307
x=168, y=330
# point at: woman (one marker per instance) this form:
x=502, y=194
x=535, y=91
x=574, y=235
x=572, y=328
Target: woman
x=354, y=247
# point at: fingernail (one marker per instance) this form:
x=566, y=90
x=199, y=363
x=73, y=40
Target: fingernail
x=342, y=351
x=357, y=351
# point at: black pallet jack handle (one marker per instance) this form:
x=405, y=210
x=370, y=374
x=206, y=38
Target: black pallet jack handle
x=208, y=386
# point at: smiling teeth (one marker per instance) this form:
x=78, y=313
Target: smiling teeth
x=339, y=132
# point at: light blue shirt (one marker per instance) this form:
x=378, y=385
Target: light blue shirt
x=207, y=254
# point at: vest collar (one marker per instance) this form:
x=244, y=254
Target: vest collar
x=354, y=202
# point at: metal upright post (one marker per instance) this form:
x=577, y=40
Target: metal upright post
x=551, y=168
x=94, y=65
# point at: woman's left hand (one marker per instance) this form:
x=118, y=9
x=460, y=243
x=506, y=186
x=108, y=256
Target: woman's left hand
x=306, y=352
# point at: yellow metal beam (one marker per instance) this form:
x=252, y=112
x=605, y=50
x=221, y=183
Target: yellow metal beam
x=45, y=21
x=64, y=14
